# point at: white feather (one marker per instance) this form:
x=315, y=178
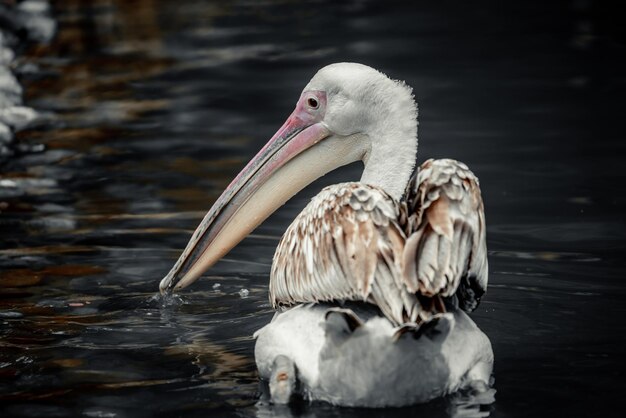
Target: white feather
x=365, y=101
x=368, y=368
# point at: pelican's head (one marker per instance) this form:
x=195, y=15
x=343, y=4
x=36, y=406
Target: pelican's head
x=347, y=112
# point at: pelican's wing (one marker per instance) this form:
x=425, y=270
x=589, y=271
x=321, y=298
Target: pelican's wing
x=345, y=245
x=445, y=253
x=350, y=243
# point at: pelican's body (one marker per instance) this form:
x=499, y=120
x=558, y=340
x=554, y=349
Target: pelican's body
x=412, y=245
x=371, y=365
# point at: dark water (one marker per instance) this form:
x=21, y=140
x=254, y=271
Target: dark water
x=159, y=103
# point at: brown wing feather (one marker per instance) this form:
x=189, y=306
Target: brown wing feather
x=446, y=252
x=345, y=245
x=353, y=242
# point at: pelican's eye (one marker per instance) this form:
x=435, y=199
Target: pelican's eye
x=313, y=103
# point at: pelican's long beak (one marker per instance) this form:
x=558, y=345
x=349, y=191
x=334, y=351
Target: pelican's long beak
x=301, y=151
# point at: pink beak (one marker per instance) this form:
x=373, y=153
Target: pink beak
x=265, y=184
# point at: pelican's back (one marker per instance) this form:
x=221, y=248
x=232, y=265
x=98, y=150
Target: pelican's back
x=371, y=363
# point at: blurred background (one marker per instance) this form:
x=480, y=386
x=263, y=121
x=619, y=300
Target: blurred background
x=153, y=106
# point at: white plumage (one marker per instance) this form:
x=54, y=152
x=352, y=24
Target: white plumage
x=370, y=365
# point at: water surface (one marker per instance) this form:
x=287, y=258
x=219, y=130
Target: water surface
x=158, y=104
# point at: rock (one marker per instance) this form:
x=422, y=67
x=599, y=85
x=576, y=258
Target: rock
x=20, y=21
x=34, y=7
x=6, y=55
x=18, y=117
x=29, y=19
x=8, y=83
x=9, y=99
x=6, y=134
x=40, y=28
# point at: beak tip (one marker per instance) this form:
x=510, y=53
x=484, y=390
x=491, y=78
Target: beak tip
x=171, y=284
x=165, y=285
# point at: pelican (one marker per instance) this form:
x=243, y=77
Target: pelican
x=366, y=264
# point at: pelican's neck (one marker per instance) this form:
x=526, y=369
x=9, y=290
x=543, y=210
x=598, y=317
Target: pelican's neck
x=391, y=158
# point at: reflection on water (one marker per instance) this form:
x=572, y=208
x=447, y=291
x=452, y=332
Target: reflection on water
x=470, y=403
x=158, y=104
